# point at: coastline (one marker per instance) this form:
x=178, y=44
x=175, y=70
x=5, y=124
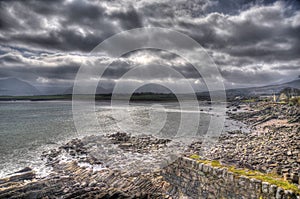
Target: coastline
x=233, y=149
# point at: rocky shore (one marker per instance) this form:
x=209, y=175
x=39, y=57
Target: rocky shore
x=82, y=175
x=121, y=165
x=273, y=146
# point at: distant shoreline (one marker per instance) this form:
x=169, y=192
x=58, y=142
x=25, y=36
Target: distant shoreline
x=103, y=97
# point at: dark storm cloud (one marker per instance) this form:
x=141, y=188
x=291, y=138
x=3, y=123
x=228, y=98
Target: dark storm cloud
x=250, y=77
x=74, y=26
x=32, y=73
x=117, y=69
x=65, y=40
x=59, y=67
x=9, y=59
x=253, y=33
x=289, y=67
x=129, y=18
x=253, y=41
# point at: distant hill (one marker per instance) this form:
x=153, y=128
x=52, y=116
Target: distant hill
x=264, y=90
x=99, y=90
x=257, y=91
x=148, y=88
x=291, y=91
x=153, y=88
x=51, y=90
x=17, y=87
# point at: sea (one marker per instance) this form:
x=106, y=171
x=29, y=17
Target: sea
x=28, y=128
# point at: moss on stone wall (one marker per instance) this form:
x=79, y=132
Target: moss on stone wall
x=264, y=177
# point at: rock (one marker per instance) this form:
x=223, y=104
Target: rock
x=295, y=178
x=279, y=193
x=265, y=187
x=125, y=145
x=29, y=175
x=277, y=150
x=274, y=151
x=26, y=169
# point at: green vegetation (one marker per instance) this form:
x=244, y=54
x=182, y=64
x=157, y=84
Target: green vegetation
x=249, y=100
x=265, y=177
x=195, y=157
x=282, y=102
x=295, y=101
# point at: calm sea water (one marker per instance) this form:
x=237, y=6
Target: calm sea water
x=29, y=128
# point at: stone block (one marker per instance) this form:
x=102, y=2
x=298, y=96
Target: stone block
x=272, y=190
x=279, y=193
x=265, y=188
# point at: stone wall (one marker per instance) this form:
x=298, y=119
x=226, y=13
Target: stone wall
x=198, y=180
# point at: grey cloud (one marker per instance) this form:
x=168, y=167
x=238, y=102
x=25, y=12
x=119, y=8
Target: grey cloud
x=62, y=67
x=248, y=32
x=288, y=67
x=250, y=77
x=32, y=73
x=78, y=26
x=241, y=36
x=129, y=18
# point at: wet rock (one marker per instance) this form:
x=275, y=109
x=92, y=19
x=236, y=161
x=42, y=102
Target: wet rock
x=26, y=169
x=75, y=178
x=20, y=176
x=277, y=151
x=140, y=144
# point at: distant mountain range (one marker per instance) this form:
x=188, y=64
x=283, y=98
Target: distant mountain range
x=148, y=88
x=99, y=90
x=256, y=91
x=264, y=90
x=17, y=87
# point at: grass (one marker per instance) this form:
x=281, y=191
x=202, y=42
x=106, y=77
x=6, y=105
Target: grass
x=265, y=177
x=249, y=100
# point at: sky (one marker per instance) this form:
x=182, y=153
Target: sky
x=253, y=43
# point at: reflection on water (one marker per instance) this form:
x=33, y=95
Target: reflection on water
x=28, y=128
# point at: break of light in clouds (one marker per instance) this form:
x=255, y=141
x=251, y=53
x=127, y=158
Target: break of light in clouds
x=252, y=42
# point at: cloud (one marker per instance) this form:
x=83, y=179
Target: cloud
x=252, y=43
x=62, y=25
x=288, y=67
